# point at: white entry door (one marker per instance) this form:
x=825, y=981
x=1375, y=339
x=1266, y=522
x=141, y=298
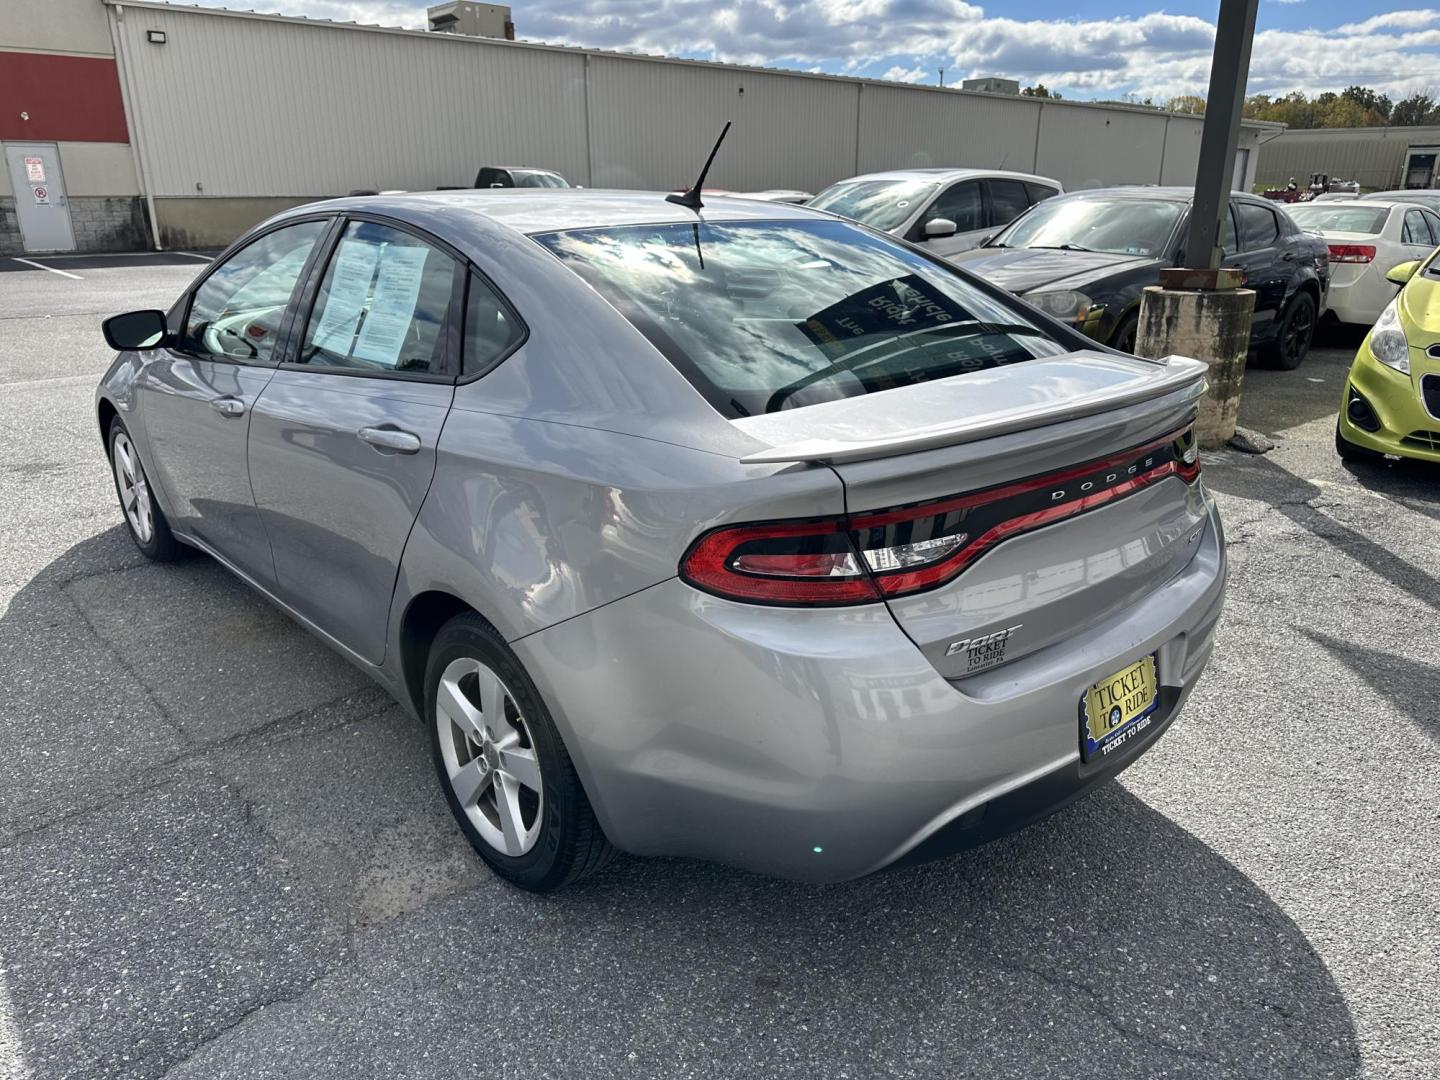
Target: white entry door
x=39, y=196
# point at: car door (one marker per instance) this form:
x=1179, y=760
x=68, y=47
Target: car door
x=1268, y=265
x=962, y=203
x=196, y=397
x=343, y=436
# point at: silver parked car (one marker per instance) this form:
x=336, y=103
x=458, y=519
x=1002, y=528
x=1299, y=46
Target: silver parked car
x=747, y=534
x=947, y=210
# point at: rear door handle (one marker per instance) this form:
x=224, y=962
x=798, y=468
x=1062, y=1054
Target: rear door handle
x=228, y=406
x=387, y=438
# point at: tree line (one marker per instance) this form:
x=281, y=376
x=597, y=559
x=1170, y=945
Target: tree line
x=1355, y=106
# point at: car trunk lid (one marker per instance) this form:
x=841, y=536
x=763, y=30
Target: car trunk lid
x=1068, y=482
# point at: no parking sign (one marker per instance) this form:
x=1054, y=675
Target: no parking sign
x=42, y=195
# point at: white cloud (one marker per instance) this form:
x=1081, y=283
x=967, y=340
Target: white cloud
x=1158, y=55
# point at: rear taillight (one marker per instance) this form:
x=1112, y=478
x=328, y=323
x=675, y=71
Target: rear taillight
x=1352, y=253
x=861, y=558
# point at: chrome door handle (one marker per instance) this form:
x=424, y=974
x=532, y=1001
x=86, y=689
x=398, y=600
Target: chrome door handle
x=228, y=406
x=402, y=442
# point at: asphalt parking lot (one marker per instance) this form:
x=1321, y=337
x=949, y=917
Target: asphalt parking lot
x=223, y=853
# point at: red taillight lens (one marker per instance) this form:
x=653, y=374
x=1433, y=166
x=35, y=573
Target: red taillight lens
x=1352, y=253
x=867, y=557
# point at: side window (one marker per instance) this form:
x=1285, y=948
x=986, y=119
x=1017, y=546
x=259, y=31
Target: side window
x=961, y=204
x=383, y=304
x=1434, y=222
x=1008, y=200
x=1416, y=231
x=491, y=330
x=1039, y=192
x=1229, y=243
x=237, y=310
x=491, y=177
x=1258, y=228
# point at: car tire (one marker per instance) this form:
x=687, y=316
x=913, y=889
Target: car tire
x=144, y=520
x=1123, y=338
x=504, y=769
x=1297, y=329
x=1348, y=451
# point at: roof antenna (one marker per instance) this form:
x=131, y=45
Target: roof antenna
x=691, y=198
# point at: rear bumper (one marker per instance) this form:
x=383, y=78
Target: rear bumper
x=1358, y=294
x=822, y=745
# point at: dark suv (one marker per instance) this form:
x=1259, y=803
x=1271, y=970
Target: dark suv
x=1085, y=258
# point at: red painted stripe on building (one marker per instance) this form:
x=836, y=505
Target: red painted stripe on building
x=72, y=98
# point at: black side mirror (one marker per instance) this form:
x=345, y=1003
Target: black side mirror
x=134, y=330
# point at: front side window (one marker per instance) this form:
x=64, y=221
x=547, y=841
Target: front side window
x=1258, y=228
x=1119, y=226
x=881, y=204
x=959, y=203
x=769, y=315
x=237, y=310
x=1007, y=201
x=383, y=304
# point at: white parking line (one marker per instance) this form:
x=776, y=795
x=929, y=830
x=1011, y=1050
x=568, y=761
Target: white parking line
x=42, y=266
x=192, y=255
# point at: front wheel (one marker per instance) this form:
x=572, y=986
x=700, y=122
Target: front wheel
x=143, y=516
x=506, y=773
x=1124, y=337
x=1297, y=328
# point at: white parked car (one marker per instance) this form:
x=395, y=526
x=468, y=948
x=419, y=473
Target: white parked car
x=948, y=210
x=1366, y=239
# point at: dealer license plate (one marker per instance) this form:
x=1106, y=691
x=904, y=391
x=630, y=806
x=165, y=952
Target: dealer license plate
x=1116, y=710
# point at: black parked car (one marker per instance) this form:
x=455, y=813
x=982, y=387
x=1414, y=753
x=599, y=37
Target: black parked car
x=1085, y=258
x=503, y=176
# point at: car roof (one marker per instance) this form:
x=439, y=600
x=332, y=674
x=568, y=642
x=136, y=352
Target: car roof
x=948, y=174
x=1402, y=193
x=1381, y=203
x=541, y=210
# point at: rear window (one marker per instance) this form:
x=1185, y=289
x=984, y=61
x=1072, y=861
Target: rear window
x=1347, y=217
x=770, y=315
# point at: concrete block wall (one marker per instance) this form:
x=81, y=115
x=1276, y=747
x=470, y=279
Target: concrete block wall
x=9, y=228
x=100, y=223
x=108, y=223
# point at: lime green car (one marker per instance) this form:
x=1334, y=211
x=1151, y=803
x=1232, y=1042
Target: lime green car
x=1391, y=404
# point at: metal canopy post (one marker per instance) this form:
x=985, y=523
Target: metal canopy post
x=1228, y=72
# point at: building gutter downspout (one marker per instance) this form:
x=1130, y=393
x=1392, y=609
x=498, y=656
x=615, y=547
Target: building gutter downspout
x=117, y=40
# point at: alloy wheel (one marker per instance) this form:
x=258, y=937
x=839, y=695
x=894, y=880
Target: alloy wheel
x=1298, y=330
x=133, y=488
x=489, y=756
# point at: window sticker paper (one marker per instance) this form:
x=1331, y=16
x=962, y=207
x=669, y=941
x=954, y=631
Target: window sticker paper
x=345, y=302
x=397, y=290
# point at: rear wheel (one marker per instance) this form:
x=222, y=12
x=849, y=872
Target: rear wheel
x=1297, y=329
x=507, y=775
x=143, y=516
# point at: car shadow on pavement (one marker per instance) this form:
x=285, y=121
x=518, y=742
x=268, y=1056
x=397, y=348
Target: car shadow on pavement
x=1262, y=480
x=183, y=867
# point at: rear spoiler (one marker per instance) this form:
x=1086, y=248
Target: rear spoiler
x=930, y=415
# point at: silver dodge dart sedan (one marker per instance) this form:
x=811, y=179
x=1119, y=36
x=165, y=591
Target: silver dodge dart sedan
x=744, y=533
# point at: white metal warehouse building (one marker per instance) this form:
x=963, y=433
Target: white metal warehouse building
x=233, y=115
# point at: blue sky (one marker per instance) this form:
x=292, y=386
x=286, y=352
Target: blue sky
x=1090, y=50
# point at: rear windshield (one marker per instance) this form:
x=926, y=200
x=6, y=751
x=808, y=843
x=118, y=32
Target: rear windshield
x=881, y=204
x=1347, y=217
x=769, y=315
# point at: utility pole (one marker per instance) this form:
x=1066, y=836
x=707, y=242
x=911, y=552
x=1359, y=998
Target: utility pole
x=942, y=76
x=1199, y=309
x=1223, y=105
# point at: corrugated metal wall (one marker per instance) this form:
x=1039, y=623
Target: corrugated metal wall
x=239, y=105
x=1374, y=156
x=912, y=129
